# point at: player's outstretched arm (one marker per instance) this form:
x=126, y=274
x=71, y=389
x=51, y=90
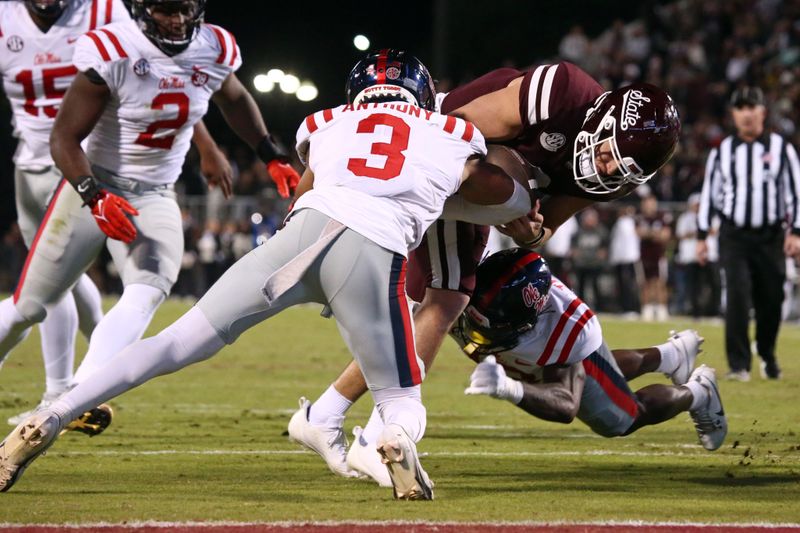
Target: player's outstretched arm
x=80, y=110
x=214, y=166
x=489, y=194
x=495, y=114
x=242, y=114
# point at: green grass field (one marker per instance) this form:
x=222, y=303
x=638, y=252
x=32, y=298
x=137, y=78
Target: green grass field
x=209, y=443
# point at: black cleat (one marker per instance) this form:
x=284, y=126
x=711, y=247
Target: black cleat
x=92, y=422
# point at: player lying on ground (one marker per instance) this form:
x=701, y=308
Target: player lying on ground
x=541, y=348
x=589, y=146
x=344, y=245
x=141, y=87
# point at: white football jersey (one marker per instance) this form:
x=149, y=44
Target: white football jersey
x=566, y=332
x=146, y=128
x=37, y=68
x=385, y=169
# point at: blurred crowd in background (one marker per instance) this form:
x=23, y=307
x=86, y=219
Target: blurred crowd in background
x=698, y=50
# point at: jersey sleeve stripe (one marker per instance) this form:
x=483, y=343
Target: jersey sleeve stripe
x=450, y=124
x=221, y=39
x=554, y=336
x=93, y=20
x=115, y=42
x=311, y=124
x=327, y=115
x=533, y=94
x=544, y=103
x=573, y=335
x=109, y=7
x=469, y=130
x=100, y=46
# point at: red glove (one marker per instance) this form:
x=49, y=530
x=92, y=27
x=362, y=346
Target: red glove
x=110, y=212
x=285, y=177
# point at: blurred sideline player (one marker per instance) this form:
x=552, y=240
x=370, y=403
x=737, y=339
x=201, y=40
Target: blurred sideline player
x=589, y=146
x=141, y=88
x=344, y=245
x=542, y=349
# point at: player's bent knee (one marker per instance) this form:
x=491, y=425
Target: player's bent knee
x=31, y=311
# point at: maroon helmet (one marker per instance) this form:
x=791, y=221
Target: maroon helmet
x=642, y=125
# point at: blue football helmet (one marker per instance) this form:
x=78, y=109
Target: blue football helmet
x=193, y=12
x=390, y=75
x=511, y=290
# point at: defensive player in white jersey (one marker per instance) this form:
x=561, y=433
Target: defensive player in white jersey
x=540, y=347
x=40, y=37
x=140, y=89
x=379, y=171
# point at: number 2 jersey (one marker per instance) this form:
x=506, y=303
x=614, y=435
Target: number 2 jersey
x=385, y=169
x=156, y=99
x=37, y=68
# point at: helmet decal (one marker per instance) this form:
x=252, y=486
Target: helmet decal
x=390, y=75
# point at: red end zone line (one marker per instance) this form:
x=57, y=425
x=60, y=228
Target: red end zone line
x=410, y=527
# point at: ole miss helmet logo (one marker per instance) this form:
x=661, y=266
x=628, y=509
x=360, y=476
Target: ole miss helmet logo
x=533, y=298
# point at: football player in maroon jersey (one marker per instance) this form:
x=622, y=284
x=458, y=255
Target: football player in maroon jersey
x=585, y=146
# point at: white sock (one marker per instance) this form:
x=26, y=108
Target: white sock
x=374, y=426
x=124, y=324
x=670, y=359
x=58, y=332
x=89, y=304
x=699, y=394
x=329, y=409
x=189, y=340
x=403, y=406
x=13, y=328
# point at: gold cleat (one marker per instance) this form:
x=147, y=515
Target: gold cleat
x=92, y=422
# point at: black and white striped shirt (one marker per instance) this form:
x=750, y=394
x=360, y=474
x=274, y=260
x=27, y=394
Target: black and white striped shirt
x=751, y=185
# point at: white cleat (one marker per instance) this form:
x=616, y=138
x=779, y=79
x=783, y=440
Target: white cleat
x=687, y=343
x=47, y=399
x=709, y=419
x=364, y=459
x=330, y=444
x=25, y=443
x=399, y=454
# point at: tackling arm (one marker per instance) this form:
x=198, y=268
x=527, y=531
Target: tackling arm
x=486, y=185
x=495, y=114
x=530, y=231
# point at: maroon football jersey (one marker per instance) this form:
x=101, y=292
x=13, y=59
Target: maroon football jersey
x=553, y=100
x=653, y=250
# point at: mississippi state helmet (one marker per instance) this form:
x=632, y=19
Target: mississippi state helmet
x=638, y=124
x=49, y=9
x=390, y=75
x=511, y=290
x=169, y=42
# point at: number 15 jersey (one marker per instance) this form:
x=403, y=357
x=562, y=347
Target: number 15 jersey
x=156, y=99
x=385, y=169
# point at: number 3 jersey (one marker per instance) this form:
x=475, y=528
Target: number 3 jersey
x=156, y=99
x=37, y=68
x=385, y=169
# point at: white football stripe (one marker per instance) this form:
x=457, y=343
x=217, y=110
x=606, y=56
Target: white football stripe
x=548, y=86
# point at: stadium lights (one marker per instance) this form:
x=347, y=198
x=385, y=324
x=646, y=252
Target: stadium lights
x=263, y=84
x=361, y=42
x=306, y=92
x=289, y=83
x=275, y=75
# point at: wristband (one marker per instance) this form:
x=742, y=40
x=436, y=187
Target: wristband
x=89, y=190
x=268, y=150
x=535, y=241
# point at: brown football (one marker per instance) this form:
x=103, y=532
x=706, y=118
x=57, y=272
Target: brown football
x=509, y=160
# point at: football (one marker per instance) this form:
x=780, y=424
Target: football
x=509, y=160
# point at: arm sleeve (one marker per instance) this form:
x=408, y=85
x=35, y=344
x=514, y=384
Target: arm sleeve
x=791, y=178
x=711, y=184
x=88, y=55
x=548, y=90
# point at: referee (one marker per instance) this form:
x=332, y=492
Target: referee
x=752, y=182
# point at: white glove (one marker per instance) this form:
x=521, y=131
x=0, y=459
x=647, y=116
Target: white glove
x=490, y=378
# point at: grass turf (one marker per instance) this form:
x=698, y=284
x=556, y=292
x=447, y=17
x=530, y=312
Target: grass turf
x=209, y=443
